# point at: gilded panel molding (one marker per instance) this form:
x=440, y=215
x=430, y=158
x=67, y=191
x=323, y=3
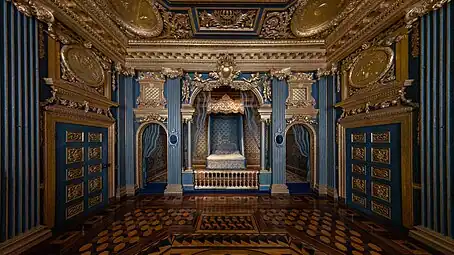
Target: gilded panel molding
x=359, y=184
x=381, y=173
x=358, y=169
x=94, y=200
x=227, y=19
x=359, y=153
x=74, y=136
x=74, y=173
x=359, y=200
x=381, y=209
x=358, y=138
x=384, y=137
x=381, y=191
x=74, y=155
x=74, y=191
x=94, y=137
x=94, y=153
x=381, y=155
x=151, y=90
x=94, y=168
x=95, y=184
x=74, y=210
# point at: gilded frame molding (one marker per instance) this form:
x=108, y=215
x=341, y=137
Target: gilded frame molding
x=313, y=155
x=60, y=114
x=139, y=135
x=397, y=115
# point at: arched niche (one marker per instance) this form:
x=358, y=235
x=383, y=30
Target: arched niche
x=313, y=146
x=139, y=148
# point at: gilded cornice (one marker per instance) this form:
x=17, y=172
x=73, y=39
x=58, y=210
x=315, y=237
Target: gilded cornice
x=420, y=8
x=366, y=23
x=36, y=9
x=250, y=56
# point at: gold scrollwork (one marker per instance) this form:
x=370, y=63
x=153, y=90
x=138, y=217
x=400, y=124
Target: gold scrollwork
x=74, y=210
x=74, y=173
x=358, y=138
x=94, y=153
x=359, y=153
x=74, y=136
x=381, y=191
x=94, y=137
x=359, y=200
x=358, y=169
x=240, y=19
x=74, y=155
x=381, y=155
x=381, y=209
x=384, y=137
x=74, y=191
x=225, y=105
x=94, y=168
x=95, y=184
x=359, y=184
x=381, y=173
x=95, y=200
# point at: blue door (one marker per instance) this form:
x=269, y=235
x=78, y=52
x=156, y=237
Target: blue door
x=373, y=171
x=81, y=172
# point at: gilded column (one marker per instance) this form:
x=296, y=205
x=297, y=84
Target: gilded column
x=189, y=166
x=262, y=146
x=174, y=152
x=278, y=150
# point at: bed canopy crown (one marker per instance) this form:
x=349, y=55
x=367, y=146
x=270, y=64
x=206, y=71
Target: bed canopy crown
x=225, y=105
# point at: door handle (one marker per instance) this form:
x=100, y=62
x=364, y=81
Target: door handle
x=105, y=166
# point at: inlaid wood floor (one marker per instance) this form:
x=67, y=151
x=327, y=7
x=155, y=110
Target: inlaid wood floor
x=231, y=224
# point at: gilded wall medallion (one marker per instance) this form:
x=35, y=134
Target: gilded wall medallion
x=83, y=65
x=381, y=173
x=316, y=16
x=370, y=66
x=140, y=17
x=358, y=138
x=359, y=184
x=74, y=155
x=74, y=173
x=94, y=137
x=95, y=200
x=74, y=210
x=95, y=184
x=381, y=155
x=74, y=136
x=358, y=169
x=381, y=209
x=94, y=168
x=94, y=153
x=384, y=137
x=74, y=191
x=381, y=191
x=359, y=200
x=359, y=153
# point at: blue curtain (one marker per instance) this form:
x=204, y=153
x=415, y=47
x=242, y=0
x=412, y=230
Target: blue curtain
x=302, y=140
x=149, y=140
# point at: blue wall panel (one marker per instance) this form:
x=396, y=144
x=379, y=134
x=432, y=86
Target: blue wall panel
x=437, y=120
x=279, y=95
x=173, y=88
x=19, y=115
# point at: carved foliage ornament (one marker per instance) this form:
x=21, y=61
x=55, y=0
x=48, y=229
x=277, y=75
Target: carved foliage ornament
x=277, y=24
x=81, y=64
x=32, y=8
x=302, y=119
x=242, y=19
x=225, y=105
x=421, y=8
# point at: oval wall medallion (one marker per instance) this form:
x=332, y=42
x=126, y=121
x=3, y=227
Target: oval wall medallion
x=140, y=17
x=83, y=64
x=173, y=139
x=370, y=66
x=316, y=16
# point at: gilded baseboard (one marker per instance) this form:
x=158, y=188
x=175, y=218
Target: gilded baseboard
x=25, y=241
x=433, y=239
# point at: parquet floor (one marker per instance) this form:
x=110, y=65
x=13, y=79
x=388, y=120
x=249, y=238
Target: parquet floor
x=231, y=224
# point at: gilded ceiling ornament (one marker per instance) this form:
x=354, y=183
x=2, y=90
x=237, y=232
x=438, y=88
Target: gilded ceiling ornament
x=171, y=73
x=225, y=105
x=140, y=17
x=370, y=66
x=227, y=19
x=282, y=74
x=176, y=25
x=83, y=65
x=277, y=25
x=315, y=16
x=34, y=8
x=227, y=75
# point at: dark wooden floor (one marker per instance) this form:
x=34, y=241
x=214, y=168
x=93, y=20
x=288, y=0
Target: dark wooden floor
x=230, y=224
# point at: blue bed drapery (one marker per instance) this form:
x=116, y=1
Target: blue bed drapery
x=302, y=140
x=149, y=144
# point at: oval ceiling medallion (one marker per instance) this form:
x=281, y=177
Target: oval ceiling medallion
x=316, y=16
x=370, y=66
x=83, y=65
x=140, y=17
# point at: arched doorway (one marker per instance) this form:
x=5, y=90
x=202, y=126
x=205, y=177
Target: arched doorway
x=298, y=160
x=154, y=158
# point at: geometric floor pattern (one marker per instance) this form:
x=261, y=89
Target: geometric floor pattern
x=231, y=224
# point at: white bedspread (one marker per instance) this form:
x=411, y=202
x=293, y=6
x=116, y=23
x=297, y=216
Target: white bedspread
x=226, y=161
